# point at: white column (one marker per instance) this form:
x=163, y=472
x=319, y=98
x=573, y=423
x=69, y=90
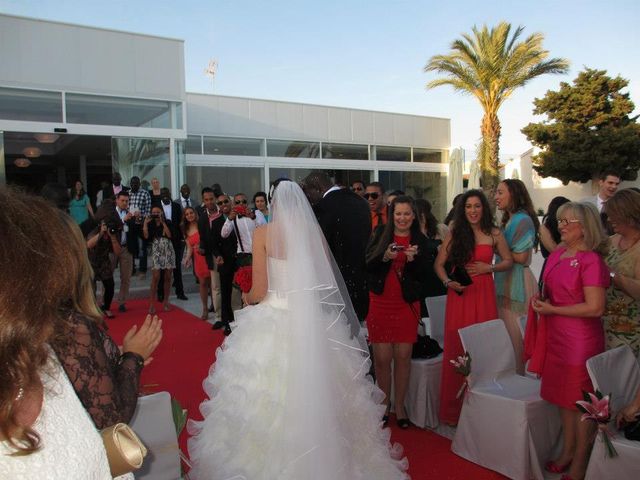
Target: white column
x=83, y=170
x=173, y=167
x=3, y=175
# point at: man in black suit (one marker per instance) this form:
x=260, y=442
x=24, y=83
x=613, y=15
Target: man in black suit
x=114, y=188
x=173, y=215
x=345, y=220
x=207, y=213
x=224, y=251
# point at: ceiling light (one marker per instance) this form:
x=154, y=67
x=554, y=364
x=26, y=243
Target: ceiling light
x=46, y=137
x=32, y=152
x=22, y=162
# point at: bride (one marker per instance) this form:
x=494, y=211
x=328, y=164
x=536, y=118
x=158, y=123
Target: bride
x=289, y=395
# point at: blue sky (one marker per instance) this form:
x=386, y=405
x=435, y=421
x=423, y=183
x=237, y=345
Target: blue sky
x=365, y=53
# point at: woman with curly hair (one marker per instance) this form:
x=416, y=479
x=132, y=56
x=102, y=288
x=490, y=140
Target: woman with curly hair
x=516, y=286
x=469, y=247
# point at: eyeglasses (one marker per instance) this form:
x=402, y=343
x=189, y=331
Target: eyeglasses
x=222, y=202
x=238, y=202
x=563, y=222
x=374, y=195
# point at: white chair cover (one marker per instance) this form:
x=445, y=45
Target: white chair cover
x=436, y=307
x=422, y=401
x=504, y=424
x=153, y=423
x=616, y=372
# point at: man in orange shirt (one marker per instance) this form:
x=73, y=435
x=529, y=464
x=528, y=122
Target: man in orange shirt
x=374, y=194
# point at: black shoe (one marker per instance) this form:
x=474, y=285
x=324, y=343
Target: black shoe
x=211, y=309
x=218, y=325
x=181, y=297
x=122, y=308
x=403, y=423
x=227, y=330
x=161, y=298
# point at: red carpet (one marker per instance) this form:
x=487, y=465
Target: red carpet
x=183, y=359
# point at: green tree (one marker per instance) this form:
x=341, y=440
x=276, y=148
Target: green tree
x=588, y=130
x=490, y=64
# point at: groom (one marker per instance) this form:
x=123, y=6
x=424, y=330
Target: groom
x=344, y=218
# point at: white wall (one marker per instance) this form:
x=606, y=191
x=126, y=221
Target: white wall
x=246, y=117
x=58, y=56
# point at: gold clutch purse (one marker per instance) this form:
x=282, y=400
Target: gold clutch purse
x=125, y=451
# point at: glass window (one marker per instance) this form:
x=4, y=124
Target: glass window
x=285, y=148
x=393, y=154
x=247, y=180
x=425, y=155
x=144, y=157
x=127, y=112
x=340, y=177
x=30, y=105
x=429, y=185
x=193, y=144
x=232, y=146
x=345, y=150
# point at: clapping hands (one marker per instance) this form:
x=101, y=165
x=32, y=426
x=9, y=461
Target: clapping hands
x=144, y=341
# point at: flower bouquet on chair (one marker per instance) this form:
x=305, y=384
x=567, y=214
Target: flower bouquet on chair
x=595, y=407
x=462, y=366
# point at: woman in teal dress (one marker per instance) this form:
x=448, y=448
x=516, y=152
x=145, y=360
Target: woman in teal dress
x=80, y=206
x=516, y=286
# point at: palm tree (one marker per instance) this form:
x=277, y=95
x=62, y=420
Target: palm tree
x=490, y=64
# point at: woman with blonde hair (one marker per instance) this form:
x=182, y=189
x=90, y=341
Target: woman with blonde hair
x=571, y=305
x=43, y=426
x=622, y=314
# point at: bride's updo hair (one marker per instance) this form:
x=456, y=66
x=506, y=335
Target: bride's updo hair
x=277, y=182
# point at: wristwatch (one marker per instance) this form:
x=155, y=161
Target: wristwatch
x=446, y=282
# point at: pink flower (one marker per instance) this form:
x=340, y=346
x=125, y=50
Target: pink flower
x=595, y=409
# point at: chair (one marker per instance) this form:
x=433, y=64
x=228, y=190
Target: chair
x=504, y=425
x=617, y=372
x=153, y=423
x=422, y=401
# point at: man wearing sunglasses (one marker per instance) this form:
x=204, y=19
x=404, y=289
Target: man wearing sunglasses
x=358, y=187
x=374, y=194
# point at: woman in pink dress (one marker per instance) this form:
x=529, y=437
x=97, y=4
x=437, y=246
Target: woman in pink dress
x=575, y=280
x=469, y=245
x=193, y=256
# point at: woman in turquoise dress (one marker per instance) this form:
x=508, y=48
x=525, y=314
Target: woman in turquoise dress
x=516, y=286
x=80, y=206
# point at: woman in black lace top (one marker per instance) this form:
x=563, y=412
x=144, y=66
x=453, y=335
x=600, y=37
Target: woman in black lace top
x=105, y=380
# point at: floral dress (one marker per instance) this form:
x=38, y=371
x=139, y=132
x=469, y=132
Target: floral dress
x=622, y=315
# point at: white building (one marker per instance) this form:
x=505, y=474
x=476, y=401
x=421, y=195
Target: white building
x=80, y=102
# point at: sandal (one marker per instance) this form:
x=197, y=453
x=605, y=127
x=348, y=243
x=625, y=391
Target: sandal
x=553, y=467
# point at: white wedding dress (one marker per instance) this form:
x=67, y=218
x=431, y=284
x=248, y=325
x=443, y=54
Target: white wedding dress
x=289, y=398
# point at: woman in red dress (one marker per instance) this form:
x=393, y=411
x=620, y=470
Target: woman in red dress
x=470, y=245
x=193, y=255
x=396, y=264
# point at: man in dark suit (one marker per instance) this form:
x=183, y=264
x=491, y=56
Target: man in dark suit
x=207, y=213
x=224, y=251
x=173, y=215
x=114, y=188
x=345, y=220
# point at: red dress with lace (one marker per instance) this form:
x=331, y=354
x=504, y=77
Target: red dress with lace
x=390, y=318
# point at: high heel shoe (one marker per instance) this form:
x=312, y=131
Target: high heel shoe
x=553, y=467
x=403, y=423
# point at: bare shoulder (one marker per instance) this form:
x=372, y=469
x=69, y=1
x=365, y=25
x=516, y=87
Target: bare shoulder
x=496, y=232
x=260, y=234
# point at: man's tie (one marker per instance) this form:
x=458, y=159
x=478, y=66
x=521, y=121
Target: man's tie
x=188, y=204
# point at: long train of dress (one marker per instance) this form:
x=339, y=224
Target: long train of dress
x=287, y=400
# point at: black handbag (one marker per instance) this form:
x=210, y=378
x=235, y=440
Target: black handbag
x=632, y=430
x=425, y=347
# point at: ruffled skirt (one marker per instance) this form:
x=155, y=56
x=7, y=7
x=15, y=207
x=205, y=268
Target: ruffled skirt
x=285, y=402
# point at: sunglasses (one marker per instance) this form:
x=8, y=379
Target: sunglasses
x=240, y=202
x=357, y=189
x=373, y=195
x=563, y=222
x=222, y=202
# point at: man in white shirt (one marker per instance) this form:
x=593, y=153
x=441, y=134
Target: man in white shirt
x=608, y=183
x=243, y=222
